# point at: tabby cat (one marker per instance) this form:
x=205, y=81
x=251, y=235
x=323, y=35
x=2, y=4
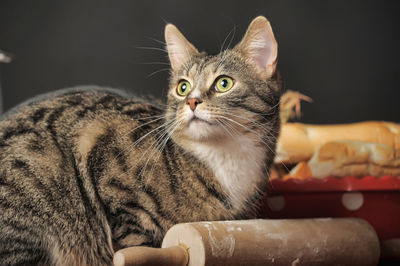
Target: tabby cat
x=87, y=171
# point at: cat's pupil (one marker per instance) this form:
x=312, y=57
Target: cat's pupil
x=183, y=88
x=224, y=83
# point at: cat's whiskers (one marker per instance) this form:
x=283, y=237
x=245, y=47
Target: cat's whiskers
x=152, y=63
x=130, y=148
x=148, y=117
x=223, y=117
x=224, y=54
x=247, y=119
x=135, y=128
x=162, y=145
x=157, y=118
x=261, y=138
x=163, y=129
x=267, y=131
x=233, y=36
x=271, y=135
x=226, y=38
x=272, y=111
x=157, y=41
x=255, y=123
x=266, y=127
x=263, y=126
x=273, y=108
x=160, y=142
x=231, y=127
x=158, y=71
x=149, y=63
x=152, y=48
x=151, y=131
x=222, y=125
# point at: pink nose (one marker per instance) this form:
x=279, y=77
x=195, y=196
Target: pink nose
x=193, y=102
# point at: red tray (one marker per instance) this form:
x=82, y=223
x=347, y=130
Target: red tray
x=376, y=200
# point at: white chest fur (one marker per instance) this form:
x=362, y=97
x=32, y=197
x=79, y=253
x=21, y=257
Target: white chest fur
x=238, y=164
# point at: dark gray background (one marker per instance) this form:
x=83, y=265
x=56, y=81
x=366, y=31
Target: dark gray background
x=343, y=54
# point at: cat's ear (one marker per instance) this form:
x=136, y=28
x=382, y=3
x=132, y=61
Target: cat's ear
x=179, y=49
x=260, y=47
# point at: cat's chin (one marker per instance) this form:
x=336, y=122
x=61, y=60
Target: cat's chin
x=199, y=129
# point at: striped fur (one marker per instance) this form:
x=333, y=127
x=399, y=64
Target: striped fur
x=87, y=171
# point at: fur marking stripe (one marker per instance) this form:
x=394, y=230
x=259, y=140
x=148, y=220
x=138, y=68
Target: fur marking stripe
x=211, y=190
x=17, y=131
x=39, y=114
x=88, y=205
x=134, y=206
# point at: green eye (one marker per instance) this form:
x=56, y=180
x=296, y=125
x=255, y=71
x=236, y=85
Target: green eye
x=224, y=84
x=183, y=87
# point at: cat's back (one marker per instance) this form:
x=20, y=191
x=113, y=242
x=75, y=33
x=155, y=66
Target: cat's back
x=46, y=127
x=71, y=106
x=42, y=189
x=71, y=99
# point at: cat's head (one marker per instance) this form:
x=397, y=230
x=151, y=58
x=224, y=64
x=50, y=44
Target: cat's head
x=232, y=93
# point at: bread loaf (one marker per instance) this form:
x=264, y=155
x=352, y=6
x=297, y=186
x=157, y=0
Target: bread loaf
x=298, y=142
x=350, y=158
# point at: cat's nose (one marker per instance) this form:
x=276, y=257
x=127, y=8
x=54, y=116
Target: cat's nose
x=193, y=102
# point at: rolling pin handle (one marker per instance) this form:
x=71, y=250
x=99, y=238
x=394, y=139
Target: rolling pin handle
x=145, y=256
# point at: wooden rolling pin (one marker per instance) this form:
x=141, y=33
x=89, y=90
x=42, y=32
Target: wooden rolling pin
x=261, y=242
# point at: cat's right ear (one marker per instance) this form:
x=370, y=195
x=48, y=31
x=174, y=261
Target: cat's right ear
x=179, y=49
x=259, y=47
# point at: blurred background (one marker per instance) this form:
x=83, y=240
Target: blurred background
x=343, y=54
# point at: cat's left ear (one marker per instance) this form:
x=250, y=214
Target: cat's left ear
x=260, y=47
x=179, y=49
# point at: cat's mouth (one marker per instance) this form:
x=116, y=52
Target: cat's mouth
x=200, y=126
x=196, y=119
